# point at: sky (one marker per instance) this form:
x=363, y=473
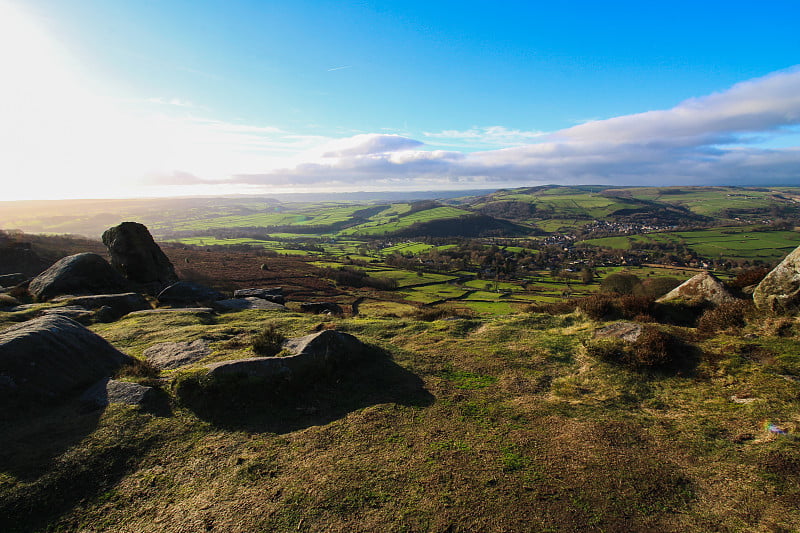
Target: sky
x=137, y=98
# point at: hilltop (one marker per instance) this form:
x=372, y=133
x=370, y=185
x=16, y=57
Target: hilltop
x=605, y=413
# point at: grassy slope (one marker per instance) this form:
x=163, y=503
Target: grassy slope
x=498, y=424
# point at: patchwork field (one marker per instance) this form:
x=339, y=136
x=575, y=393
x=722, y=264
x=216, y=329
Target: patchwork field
x=736, y=242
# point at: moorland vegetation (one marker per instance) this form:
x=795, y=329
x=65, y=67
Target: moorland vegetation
x=536, y=382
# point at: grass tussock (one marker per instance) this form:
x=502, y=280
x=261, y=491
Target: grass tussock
x=727, y=316
x=429, y=314
x=269, y=341
x=605, y=306
x=653, y=349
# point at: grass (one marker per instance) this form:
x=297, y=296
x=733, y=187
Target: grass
x=487, y=423
x=734, y=242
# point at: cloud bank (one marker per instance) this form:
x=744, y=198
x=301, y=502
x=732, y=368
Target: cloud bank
x=721, y=138
x=61, y=137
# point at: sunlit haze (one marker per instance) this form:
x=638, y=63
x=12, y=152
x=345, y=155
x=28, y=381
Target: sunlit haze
x=120, y=99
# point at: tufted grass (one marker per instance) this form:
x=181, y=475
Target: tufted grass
x=469, y=424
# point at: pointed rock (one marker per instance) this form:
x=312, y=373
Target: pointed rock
x=779, y=291
x=704, y=288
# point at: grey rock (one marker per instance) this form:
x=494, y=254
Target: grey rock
x=107, y=391
x=312, y=356
x=119, y=304
x=8, y=301
x=188, y=292
x=704, y=288
x=82, y=274
x=779, y=291
x=192, y=310
x=273, y=295
x=136, y=255
x=51, y=356
x=21, y=307
x=8, y=280
x=169, y=355
x=73, y=312
x=627, y=331
x=239, y=304
x=321, y=307
x=19, y=257
x=105, y=314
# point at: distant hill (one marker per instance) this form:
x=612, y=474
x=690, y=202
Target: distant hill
x=368, y=215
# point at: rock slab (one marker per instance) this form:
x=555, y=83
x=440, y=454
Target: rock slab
x=779, y=291
x=627, y=331
x=136, y=255
x=51, y=356
x=108, y=391
x=169, y=355
x=239, y=304
x=78, y=274
x=273, y=295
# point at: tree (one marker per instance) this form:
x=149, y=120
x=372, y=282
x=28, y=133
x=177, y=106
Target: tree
x=621, y=283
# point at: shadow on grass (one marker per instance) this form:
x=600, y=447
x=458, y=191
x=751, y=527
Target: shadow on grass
x=253, y=407
x=34, y=434
x=54, y=457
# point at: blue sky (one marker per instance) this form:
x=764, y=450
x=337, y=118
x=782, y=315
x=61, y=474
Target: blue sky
x=192, y=97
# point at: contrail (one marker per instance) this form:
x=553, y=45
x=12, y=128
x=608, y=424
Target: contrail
x=339, y=68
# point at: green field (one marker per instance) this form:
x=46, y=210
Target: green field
x=733, y=243
x=385, y=226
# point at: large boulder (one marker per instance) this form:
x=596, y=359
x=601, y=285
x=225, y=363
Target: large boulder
x=779, y=291
x=187, y=293
x=136, y=255
x=703, y=289
x=78, y=274
x=51, y=356
x=311, y=356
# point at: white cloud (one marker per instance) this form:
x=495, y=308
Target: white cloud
x=370, y=143
x=763, y=104
x=484, y=137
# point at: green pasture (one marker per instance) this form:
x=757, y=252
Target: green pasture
x=413, y=248
x=393, y=224
x=733, y=242
x=706, y=200
x=431, y=293
x=555, y=224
